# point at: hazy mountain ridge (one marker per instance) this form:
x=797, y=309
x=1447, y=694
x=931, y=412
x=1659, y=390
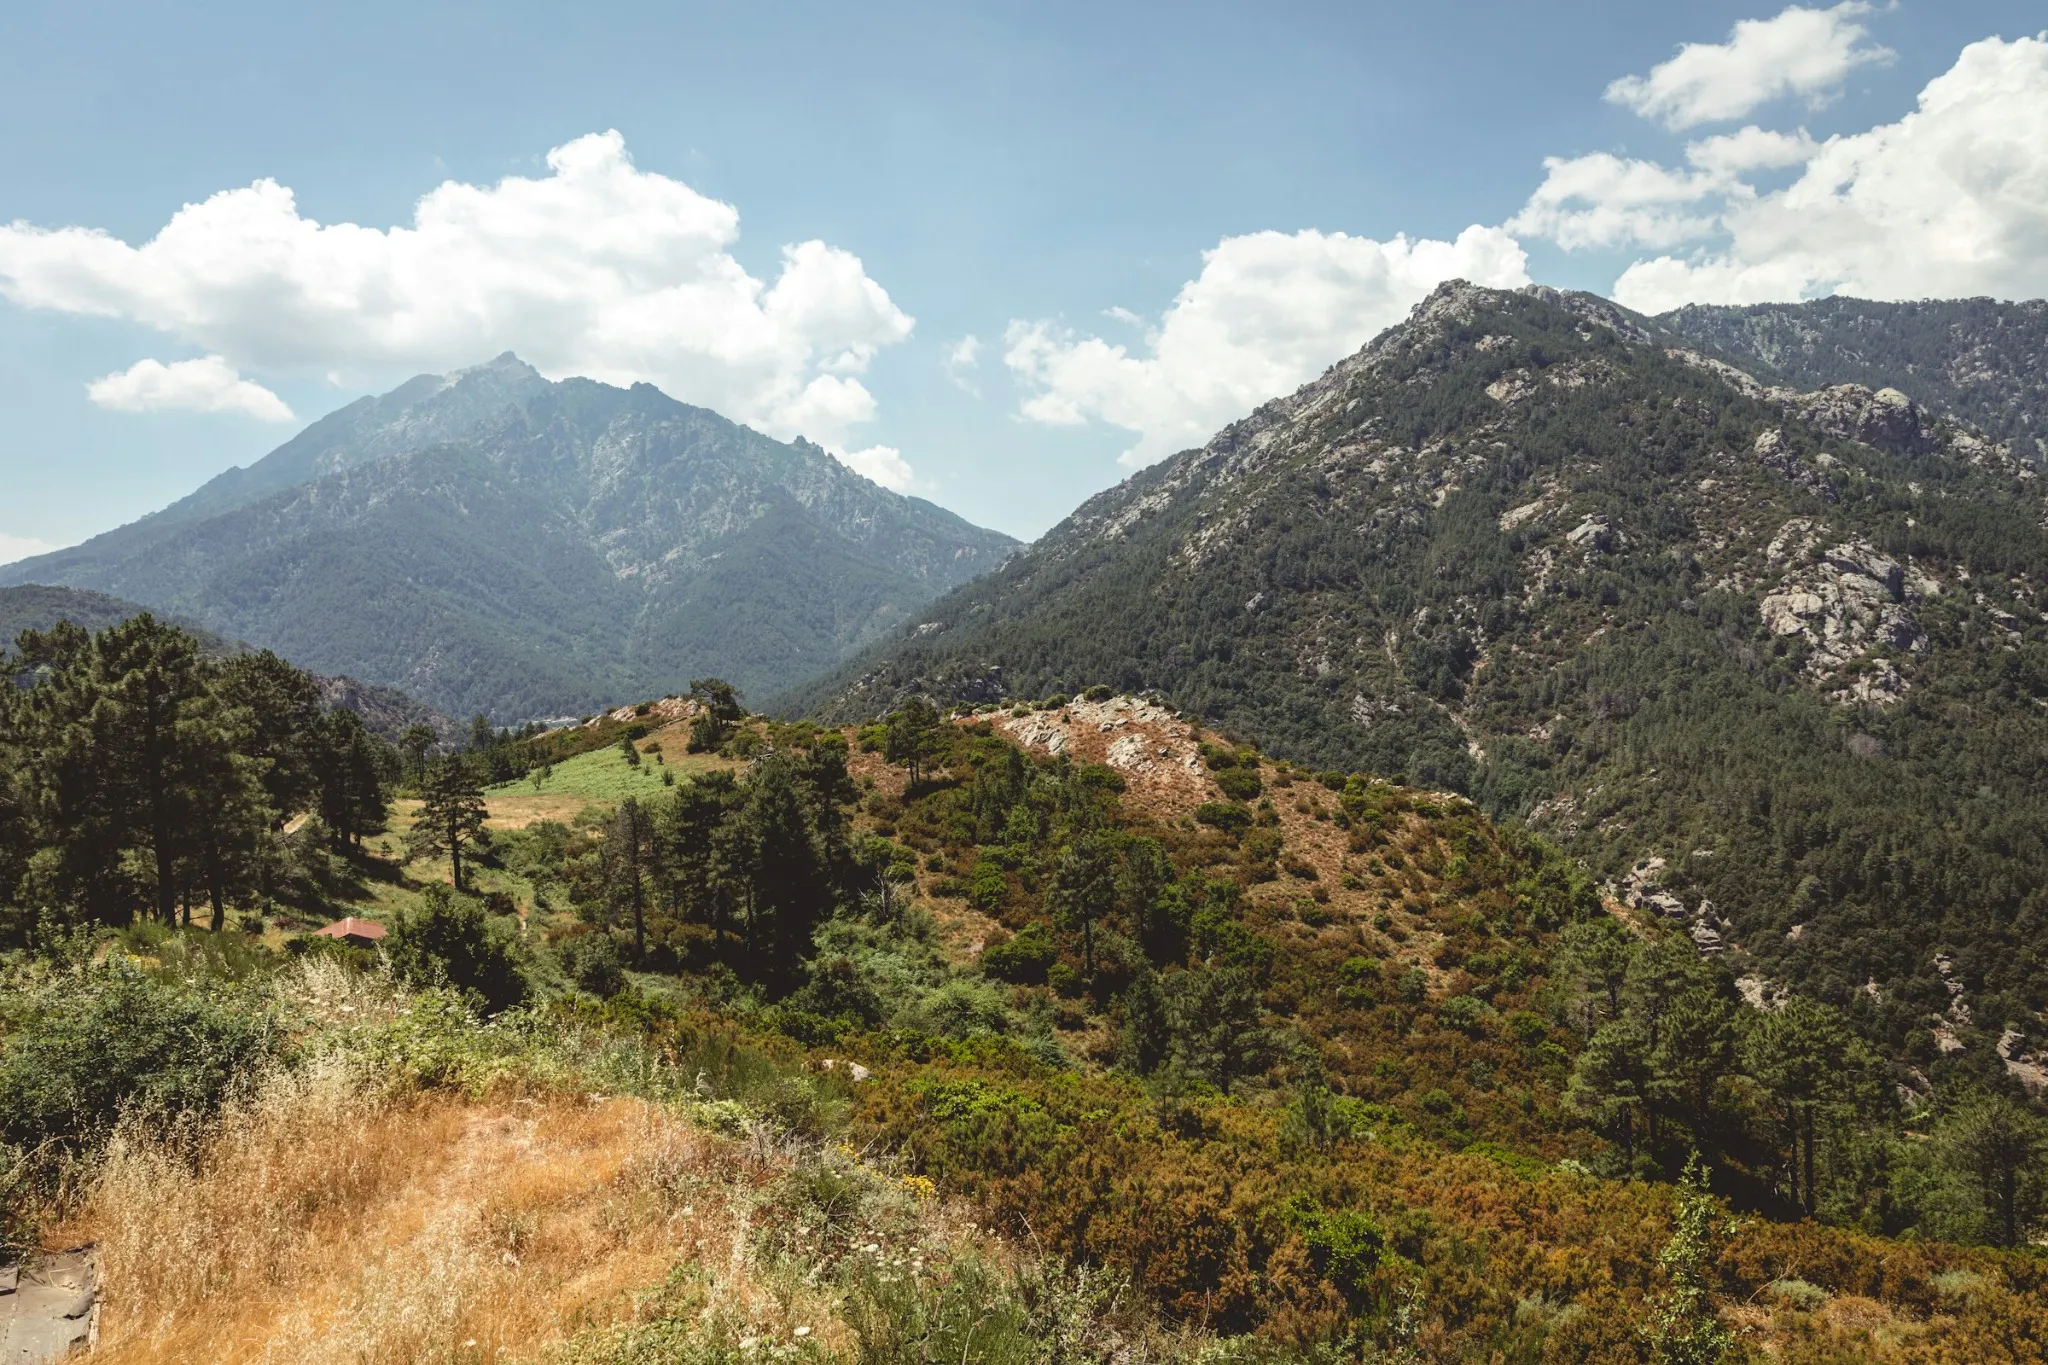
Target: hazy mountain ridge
x=499, y=543
x=1524, y=547
x=1982, y=360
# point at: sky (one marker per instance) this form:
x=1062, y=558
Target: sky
x=996, y=256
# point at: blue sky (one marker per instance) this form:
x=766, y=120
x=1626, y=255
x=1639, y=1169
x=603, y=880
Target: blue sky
x=1010, y=175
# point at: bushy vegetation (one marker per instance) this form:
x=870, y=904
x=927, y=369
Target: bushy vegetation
x=1202, y=1112
x=85, y=1050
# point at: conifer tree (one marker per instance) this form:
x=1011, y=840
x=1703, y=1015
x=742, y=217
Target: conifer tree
x=629, y=854
x=452, y=814
x=416, y=743
x=911, y=737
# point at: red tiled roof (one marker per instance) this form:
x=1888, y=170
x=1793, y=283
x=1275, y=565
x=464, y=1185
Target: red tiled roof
x=352, y=927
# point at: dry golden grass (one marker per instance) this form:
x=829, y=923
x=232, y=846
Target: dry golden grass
x=321, y=1223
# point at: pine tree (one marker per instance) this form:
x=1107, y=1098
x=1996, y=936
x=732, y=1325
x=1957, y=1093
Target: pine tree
x=351, y=778
x=1083, y=891
x=1805, y=1060
x=1999, y=1146
x=911, y=737
x=452, y=814
x=629, y=855
x=719, y=710
x=416, y=743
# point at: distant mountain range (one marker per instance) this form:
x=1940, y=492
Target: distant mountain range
x=493, y=542
x=1773, y=662
x=385, y=710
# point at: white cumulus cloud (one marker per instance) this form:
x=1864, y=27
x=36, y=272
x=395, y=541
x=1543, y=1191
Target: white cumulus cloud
x=1951, y=200
x=597, y=268
x=208, y=384
x=1602, y=200
x=1268, y=312
x=1727, y=155
x=884, y=464
x=1803, y=52
x=1606, y=201
x=21, y=547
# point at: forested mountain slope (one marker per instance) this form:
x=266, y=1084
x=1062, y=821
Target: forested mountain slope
x=1772, y=663
x=1982, y=360
x=494, y=542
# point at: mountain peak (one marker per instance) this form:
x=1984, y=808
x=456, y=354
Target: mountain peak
x=505, y=363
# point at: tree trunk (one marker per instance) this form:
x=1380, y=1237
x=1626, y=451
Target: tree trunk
x=1812, y=1202
x=220, y=913
x=455, y=852
x=159, y=807
x=2008, y=1201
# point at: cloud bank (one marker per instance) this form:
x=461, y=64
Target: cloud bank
x=597, y=268
x=1951, y=200
x=884, y=464
x=1268, y=312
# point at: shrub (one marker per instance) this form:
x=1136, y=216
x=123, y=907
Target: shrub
x=1099, y=692
x=839, y=989
x=1463, y=1012
x=1239, y=784
x=962, y=1009
x=1024, y=959
x=987, y=889
x=450, y=941
x=88, y=1051
x=1224, y=816
x=594, y=963
x=1345, y=1246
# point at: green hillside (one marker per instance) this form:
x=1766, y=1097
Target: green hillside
x=1199, y=1054
x=1774, y=664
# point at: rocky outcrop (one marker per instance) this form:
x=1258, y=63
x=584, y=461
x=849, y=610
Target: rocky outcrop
x=1848, y=603
x=1884, y=419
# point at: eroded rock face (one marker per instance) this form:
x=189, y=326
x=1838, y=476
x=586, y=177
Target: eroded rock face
x=1846, y=603
x=1883, y=418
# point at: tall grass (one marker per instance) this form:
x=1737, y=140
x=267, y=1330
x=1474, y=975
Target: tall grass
x=422, y=1188
x=329, y=1219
